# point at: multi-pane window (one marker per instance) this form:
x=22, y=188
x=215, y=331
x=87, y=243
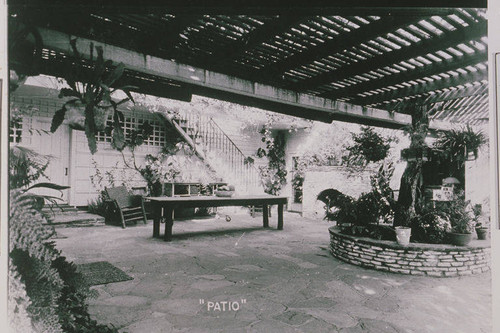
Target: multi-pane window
x=157, y=138
x=17, y=126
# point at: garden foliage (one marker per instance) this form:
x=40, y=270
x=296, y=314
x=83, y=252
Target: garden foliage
x=368, y=147
x=356, y=215
x=430, y=226
x=46, y=293
x=273, y=175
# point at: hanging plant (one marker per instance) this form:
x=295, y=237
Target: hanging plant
x=90, y=85
x=460, y=145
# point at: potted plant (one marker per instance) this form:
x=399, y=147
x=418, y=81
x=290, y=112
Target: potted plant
x=481, y=230
x=90, y=89
x=460, y=145
x=462, y=222
x=225, y=191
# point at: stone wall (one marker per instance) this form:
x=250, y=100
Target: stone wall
x=337, y=177
x=437, y=260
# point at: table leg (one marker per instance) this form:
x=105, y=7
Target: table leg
x=280, y=216
x=265, y=215
x=169, y=222
x=156, y=221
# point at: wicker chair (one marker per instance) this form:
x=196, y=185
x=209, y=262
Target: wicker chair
x=130, y=207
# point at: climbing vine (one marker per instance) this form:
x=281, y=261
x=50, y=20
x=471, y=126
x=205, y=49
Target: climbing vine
x=274, y=173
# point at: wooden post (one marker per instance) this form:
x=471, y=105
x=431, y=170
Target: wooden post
x=265, y=215
x=280, y=216
x=169, y=222
x=156, y=219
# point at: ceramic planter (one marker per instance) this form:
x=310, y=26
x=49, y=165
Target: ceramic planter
x=459, y=239
x=482, y=233
x=403, y=235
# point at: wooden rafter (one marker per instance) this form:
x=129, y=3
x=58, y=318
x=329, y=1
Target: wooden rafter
x=422, y=48
x=256, y=37
x=415, y=74
x=422, y=88
x=460, y=93
x=339, y=43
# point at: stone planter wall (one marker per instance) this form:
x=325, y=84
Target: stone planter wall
x=439, y=260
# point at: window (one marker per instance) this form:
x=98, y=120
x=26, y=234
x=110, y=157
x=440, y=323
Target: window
x=157, y=138
x=18, y=125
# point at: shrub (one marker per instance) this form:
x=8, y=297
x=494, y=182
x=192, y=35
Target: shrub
x=430, y=227
x=354, y=215
x=457, y=211
x=368, y=147
x=98, y=206
x=31, y=257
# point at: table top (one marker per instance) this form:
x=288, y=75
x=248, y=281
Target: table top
x=201, y=198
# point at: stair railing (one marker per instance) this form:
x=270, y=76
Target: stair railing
x=205, y=129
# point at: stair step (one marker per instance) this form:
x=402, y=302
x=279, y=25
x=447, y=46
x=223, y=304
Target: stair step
x=78, y=219
x=59, y=209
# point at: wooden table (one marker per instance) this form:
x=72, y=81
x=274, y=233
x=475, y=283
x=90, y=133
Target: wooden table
x=164, y=208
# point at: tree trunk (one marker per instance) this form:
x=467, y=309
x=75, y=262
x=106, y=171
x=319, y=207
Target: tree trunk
x=410, y=189
x=409, y=194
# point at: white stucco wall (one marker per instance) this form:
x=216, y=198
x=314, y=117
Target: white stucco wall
x=478, y=180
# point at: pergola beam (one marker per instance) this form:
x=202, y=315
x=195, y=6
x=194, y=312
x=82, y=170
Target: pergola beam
x=112, y=29
x=422, y=48
x=202, y=79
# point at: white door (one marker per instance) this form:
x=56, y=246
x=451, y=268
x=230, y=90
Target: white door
x=56, y=145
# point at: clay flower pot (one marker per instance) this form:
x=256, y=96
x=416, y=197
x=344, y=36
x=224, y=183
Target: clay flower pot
x=459, y=239
x=482, y=233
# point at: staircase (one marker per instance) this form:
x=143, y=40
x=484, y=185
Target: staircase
x=213, y=145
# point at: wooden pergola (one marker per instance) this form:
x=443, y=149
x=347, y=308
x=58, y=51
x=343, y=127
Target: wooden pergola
x=361, y=64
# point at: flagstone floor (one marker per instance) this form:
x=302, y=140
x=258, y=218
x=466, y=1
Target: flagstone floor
x=218, y=276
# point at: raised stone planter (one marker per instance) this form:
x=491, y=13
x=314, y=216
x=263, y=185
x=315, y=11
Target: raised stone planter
x=439, y=260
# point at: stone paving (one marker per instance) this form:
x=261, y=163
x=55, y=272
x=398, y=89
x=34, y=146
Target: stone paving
x=266, y=281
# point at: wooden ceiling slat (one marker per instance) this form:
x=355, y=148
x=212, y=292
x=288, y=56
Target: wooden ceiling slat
x=336, y=44
x=457, y=110
x=425, y=88
x=252, y=39
x=396, y=56
x=480, y=112
x=460, y=93
x=462, y=114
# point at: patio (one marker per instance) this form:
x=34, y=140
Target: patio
x=162, y=101
x=282, y=281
